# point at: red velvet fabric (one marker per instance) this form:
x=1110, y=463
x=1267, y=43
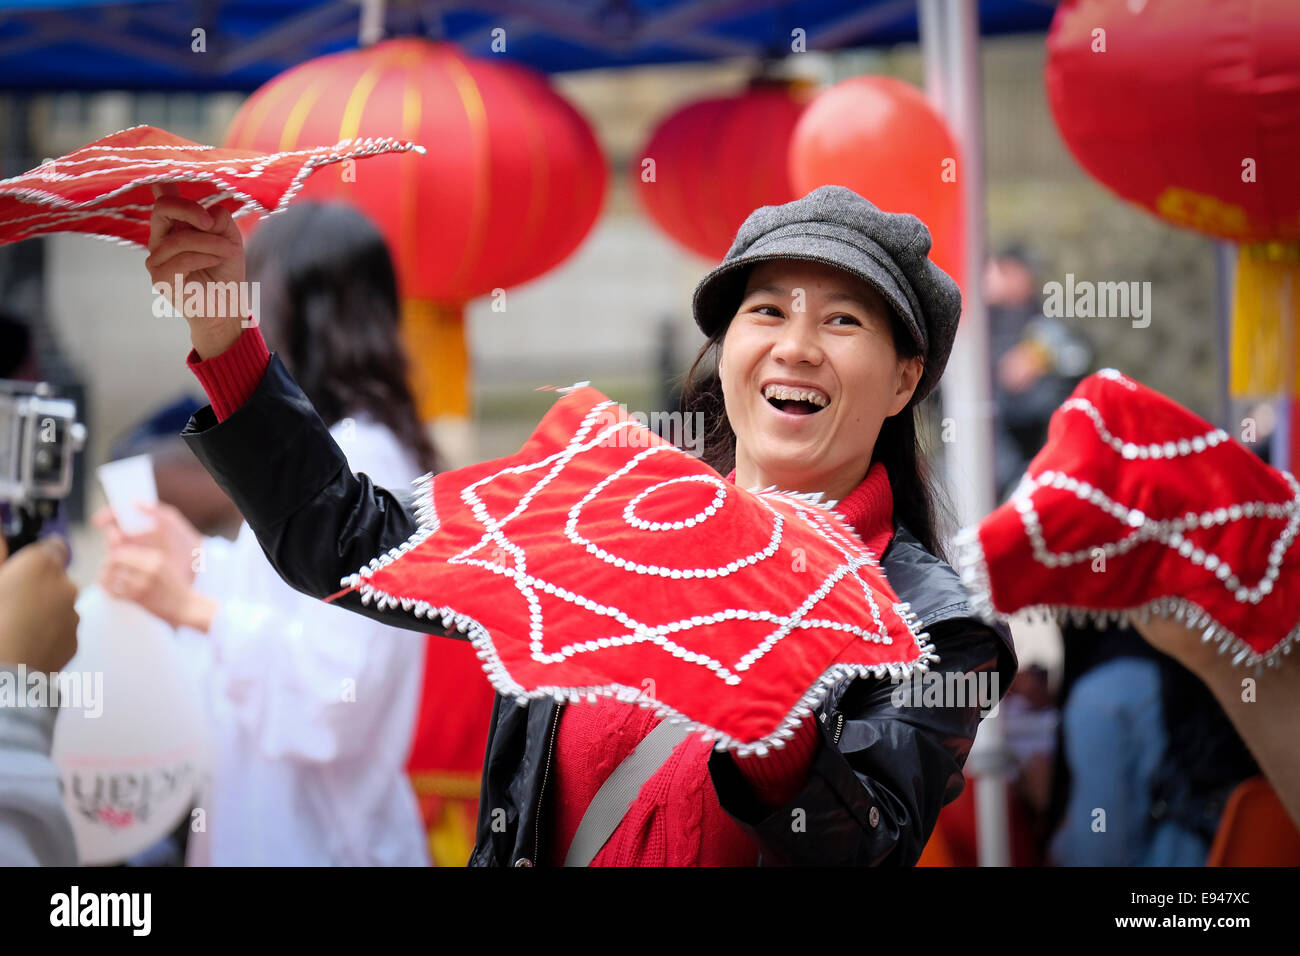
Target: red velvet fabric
x=1135, y=502
x=676, y=819
x=559, y=563
x=106, y=187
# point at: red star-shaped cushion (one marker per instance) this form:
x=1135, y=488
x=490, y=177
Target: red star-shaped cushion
x=602, y=560
x=1136, y=505
x=105, y=189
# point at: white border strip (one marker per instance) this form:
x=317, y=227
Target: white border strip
x=971, y=564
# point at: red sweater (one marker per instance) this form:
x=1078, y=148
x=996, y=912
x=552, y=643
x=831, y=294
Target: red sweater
x=676, y=820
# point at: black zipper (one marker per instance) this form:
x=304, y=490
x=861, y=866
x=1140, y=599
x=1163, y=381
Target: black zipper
x=541, y=791
x=839, y=729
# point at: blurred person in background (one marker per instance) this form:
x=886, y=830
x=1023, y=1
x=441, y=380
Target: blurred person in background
x=38, y=632
x=1030, y=720
x=1037, y=362
x=1143, y=740
x=312, y=708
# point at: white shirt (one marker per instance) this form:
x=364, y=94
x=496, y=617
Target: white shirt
x=312, y=707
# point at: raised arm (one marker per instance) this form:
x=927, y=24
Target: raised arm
x=261, y=439
x=1264, y=707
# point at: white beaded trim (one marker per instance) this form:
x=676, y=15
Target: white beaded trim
x=971, y=564
x=629, y=513
x=1115, y=375
x=1168, y=532
x=575, y=514
x=1130, y=450
x=222, y=176
x=973, y=567
x=810, y=508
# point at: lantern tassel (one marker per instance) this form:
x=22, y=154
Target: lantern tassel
x=1265, y=320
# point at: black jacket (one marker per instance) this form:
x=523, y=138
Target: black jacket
x=881, y=773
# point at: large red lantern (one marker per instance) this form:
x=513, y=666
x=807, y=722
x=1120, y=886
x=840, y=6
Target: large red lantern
x=713, y=162
x=881, y=138
x=512, y=181
x=1192, y=111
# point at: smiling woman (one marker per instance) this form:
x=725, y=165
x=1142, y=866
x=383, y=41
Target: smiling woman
x=809, y=373
x=829, y=323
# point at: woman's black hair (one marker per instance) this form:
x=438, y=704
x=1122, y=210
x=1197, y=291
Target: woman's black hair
x=918, y=505
x=329, y=307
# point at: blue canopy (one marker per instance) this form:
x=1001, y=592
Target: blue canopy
x=50, y=45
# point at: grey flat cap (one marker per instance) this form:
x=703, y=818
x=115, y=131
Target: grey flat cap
x=833, y=224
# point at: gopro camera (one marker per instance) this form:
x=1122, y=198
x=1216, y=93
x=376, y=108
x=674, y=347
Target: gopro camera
x=39, y=435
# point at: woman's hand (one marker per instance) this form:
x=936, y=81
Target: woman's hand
x=180, y=541
x=156, y=569
x=198, y=246
x=142, y=574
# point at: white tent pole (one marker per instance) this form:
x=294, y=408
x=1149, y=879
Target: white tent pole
x=950, y=47
x=371, y=28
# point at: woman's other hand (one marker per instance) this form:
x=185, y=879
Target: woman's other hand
x=172, y=534
x=203, y=247
x=144, y=575
x=156, y=569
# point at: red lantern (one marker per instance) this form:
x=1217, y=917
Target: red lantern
x=1192, y=111
x=881, y=138
x=512, y=182
x=713, y=162
x=1188, y=109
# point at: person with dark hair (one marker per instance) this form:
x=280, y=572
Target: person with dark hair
x=895, y=447
x=830, y=323
x=330, y=310
x=312, y=709
x=1143, y=740
x=1037, y=361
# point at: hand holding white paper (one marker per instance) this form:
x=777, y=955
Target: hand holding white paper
x=129, y=482
x=132, y=749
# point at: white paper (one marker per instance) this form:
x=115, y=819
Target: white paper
x=127, y=483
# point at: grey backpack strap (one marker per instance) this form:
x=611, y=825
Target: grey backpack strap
x=610, y=804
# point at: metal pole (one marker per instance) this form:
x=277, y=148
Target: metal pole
x=1225, y=261
x=371, y=28
x=950, y=46
x=1284, y=434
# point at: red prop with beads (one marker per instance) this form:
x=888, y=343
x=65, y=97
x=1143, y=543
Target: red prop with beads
x=1135, y=505
x=106, y=188
x=602, y=560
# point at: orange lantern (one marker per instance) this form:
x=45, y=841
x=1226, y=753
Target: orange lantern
x=881, y=138
x=512, y=182
x=710, y=164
